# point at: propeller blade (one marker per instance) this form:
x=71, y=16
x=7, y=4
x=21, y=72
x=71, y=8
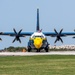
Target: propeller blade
x=15, y=31
x=73, y=37
x=60, y=31
x=56, y=40
x=19, y=40
x=0, y=39
x=14, y=40
x=19, y=31
x=55, y=31
x=1, y=33
x=61, y=40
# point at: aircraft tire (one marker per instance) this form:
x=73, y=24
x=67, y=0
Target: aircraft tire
x=29, y=49
x=46, y=49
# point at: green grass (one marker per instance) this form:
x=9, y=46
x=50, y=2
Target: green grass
x=37, y=65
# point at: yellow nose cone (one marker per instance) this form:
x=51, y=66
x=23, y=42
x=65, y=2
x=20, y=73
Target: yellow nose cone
x=38, y=42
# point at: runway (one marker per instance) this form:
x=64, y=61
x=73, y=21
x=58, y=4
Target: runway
x=37, y=53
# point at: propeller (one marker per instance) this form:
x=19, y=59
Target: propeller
x=17, y=35
x=74, y=36
x=0, y=34
x=0, y=39
x=58, y=36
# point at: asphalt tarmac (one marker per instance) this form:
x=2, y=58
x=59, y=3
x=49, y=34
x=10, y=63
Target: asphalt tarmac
x=37, y=53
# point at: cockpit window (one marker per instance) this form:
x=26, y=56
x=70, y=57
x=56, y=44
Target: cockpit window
x=38, y=36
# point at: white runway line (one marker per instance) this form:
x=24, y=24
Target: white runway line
x=37, y=53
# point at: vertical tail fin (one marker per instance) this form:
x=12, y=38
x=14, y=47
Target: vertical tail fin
x=37, y=28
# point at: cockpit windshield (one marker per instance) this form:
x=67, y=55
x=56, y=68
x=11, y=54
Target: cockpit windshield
x=38, y=36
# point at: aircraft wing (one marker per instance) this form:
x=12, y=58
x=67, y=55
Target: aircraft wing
x=17, y=35
x=20, y=34
x=53, y=34
x=59, y=34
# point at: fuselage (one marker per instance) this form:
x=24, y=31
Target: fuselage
x=38, y=39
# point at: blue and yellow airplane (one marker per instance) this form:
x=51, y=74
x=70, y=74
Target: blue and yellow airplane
x=38, y=39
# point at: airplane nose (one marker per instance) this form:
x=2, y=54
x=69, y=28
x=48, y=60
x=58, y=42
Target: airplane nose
x=38, y=42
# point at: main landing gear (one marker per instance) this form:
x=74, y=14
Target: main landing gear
x=46, y=49
x=29, y=49
x=38, y=50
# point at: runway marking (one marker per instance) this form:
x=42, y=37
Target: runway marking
x=37, y=53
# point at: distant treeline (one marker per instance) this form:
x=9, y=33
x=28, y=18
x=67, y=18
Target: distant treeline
x=24, y=49
x=13, y=49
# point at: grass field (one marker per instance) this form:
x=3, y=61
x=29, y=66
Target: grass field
x=37, y=65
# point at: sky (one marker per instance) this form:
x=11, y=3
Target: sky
x=21, y=14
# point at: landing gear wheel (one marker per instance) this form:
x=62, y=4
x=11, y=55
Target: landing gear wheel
x=46, y=49
x=29, y=49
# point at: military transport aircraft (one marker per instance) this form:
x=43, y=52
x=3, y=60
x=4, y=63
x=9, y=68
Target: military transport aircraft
x=38, y=39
